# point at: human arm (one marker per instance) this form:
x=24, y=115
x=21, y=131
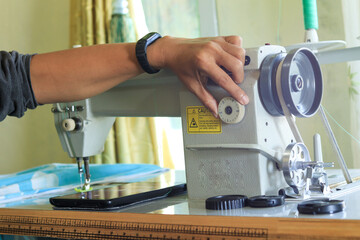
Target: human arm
x=79, y=73
x=16, y=94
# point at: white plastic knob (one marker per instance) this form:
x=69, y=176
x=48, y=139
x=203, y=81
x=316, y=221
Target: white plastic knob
x=230, y=110
x=68, y=124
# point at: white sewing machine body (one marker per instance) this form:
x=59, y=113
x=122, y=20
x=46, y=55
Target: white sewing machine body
x=242, y=158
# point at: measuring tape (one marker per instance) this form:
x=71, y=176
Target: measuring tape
x=95, y=225
x=112, y=225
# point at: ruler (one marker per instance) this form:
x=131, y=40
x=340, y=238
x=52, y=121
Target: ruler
x=112, y=225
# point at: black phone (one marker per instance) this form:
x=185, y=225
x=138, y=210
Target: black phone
x=119, y=196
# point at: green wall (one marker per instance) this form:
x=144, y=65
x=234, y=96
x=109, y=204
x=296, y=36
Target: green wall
x=32, y=26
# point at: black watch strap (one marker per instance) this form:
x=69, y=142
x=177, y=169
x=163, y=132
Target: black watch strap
x=141, y=54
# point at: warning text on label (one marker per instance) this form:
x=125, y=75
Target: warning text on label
x=200, y=120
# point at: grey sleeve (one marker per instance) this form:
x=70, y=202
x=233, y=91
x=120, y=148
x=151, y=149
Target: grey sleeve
x=16, y=94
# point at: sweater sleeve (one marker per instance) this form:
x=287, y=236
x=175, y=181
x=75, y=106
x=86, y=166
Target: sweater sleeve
x=16, y=94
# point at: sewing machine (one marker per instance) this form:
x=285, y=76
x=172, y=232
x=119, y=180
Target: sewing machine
x=251, y=150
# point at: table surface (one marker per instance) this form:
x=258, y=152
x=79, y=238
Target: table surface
x=184, y=206
x=182, y=218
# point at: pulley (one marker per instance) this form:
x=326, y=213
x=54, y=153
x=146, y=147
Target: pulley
x=301, y=83
x=294, y=165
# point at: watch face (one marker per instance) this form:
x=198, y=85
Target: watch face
x=151, y=37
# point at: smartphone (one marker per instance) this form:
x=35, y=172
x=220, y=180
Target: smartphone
x=118, y=196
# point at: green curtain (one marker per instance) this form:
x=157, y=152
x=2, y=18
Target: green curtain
x=90, y=22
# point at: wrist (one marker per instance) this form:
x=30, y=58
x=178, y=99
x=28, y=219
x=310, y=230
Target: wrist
x=157, y=52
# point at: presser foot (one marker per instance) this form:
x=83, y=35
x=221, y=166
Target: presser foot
x=87, y=186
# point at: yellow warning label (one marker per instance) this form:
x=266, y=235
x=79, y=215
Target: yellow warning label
x=200, y=121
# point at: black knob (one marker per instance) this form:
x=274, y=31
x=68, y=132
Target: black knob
x=225, y=202
x=78, y=123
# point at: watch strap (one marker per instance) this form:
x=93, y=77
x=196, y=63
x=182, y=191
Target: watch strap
x=141, y=51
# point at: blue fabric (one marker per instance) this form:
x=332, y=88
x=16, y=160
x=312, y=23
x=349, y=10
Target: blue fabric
x=10, y=237
x=48, y=179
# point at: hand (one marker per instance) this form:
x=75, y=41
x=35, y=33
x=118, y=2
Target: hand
x=196, y=60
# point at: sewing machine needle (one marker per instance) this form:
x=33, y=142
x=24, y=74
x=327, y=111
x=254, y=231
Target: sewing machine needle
x=80, y=170
x=87, y=174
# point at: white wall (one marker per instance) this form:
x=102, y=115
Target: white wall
x=32, y=26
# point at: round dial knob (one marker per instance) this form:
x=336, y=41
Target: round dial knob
x=69, y=124
x=225, y=202
x=230, y=110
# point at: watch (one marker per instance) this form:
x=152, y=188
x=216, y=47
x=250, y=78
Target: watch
x=141, y=54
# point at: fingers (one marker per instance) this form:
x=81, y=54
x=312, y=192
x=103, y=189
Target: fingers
x=234, y=65
x=236, y=40
x=229, y=54
x=224, y=81
x=233, y=57
x=191, y=59
x=204, y=96
x=232, y=45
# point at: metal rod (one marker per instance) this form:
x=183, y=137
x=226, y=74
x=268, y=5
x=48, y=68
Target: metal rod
x=80, y=169
x=87, y=173
x=335, y=146
x=340, y=55
x=318, y=157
